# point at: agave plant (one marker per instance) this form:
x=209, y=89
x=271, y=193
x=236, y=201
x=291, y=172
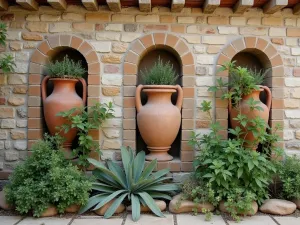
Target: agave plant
x=134, y=182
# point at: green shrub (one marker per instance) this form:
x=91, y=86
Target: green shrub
x=67, y=68
x=135, y=182
x=7, y=63
x=236, y=174
x=289, y=174
x=46, y=178
x=160, y=74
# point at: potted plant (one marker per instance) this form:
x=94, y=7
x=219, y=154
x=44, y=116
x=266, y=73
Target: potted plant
x=133, y=182
x=243, y=92
x=159, y=120
x=46, y=183
x=64, y=75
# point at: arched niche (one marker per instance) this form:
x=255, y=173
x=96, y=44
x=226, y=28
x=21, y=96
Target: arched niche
x=174, y=47
x=53, y=48
x=254, y=52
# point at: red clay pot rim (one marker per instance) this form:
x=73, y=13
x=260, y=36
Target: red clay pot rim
x=159, y=90
x=64, y=79
x=159, y=87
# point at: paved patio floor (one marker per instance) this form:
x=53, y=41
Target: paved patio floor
x=146, y=219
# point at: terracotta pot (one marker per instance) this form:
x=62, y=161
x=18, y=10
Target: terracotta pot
x=159, y=120
x=251, y=114
x=63, y=98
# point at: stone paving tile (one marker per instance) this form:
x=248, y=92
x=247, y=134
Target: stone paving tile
x=9, y=220
x=184, y=219
x=151, y=220
x=45, y=221
x=94, y=221
x=254, y=220
x=288, y=220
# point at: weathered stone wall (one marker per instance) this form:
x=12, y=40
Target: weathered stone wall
x=111, y=35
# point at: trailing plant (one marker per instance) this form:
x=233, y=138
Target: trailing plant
x=237, y=174
x=198, y=192
x=134, y=183
x=289, y=175
x=160, y=74
x=84, y=120
x=46, y=178
x=7, y=63
x=193, y=189
x=242, y=81
x=67, y=68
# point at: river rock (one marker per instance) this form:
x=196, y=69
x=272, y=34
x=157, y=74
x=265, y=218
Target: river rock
x=182, y=206
x=3, y=204
x=278, y=207
x=50, y=211
x=72, y=208
x=297, y=202
x=161, y=205
x=222, y=208
x=103, y=209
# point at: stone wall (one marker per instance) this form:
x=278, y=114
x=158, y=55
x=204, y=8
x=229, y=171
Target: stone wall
x=111, y=35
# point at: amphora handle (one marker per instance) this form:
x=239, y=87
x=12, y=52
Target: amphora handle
x=138, y=103
x=269, y=96
x=83, y=82
x=44, y=87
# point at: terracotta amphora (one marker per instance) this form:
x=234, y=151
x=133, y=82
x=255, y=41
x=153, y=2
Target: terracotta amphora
x=63, y=98
x=159, y=120
x=251, y=141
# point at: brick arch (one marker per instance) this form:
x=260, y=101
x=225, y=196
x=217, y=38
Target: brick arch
x=270, y=58
x=39, y=58
x=132, y=58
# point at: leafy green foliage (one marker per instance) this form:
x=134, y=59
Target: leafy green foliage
x=289, y=174
x=242, y=81
x=239, y=202
x=3, y=31
x=160, y=74
x=84, y=120
x=46, y=178
x=235, y=173
x=193, y=189
x=7, y=63
x=67, y=68
x=133, y=182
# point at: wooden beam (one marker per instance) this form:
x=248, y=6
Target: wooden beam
x=177, y=5
x=114, y=5
x=58, y=4
x=145, y=5
x=91, y=5
x=274, y=6
x=210, y=6
x=28, y=4
x=242, y=5
x=296, y=9
x=3, y=5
